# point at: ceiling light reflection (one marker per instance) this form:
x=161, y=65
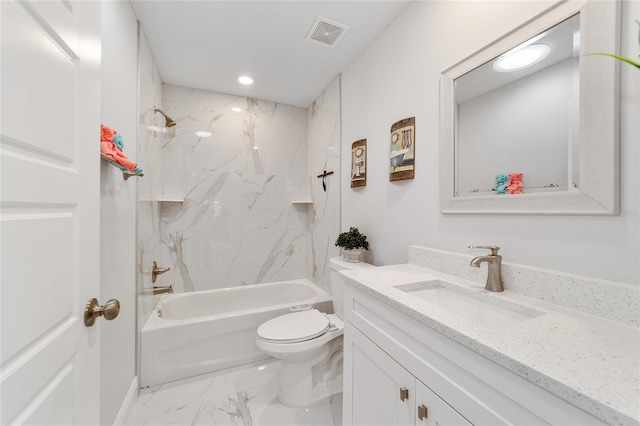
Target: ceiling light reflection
x=522, y=58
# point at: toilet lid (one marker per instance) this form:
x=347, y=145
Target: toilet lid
x=295, y=327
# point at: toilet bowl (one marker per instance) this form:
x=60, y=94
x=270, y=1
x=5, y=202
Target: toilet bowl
x=306, y=342
x=309, y=343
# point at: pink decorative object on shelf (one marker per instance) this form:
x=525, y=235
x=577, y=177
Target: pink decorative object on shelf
x=515, y=183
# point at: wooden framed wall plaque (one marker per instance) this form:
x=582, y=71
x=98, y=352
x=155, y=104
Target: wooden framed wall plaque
x=402, y=150
x=359, y=163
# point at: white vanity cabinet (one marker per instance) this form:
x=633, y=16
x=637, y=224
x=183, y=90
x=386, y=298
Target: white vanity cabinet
x=386, y=350
x=382, y=392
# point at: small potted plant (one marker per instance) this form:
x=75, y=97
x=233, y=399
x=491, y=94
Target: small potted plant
x=351, y=244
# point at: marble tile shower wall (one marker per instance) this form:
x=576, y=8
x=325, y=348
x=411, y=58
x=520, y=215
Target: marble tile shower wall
x=323, y=120
x=236, y=224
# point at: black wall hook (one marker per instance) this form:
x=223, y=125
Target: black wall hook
x=324, y=176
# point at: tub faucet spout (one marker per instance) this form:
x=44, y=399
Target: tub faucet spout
x=494, y=264
x=162, y=289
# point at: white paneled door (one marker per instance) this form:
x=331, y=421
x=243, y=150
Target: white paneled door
x=49, y=211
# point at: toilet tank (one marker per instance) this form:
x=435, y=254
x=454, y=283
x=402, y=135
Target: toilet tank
x=337, y=281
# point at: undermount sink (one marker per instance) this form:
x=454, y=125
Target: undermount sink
x=479, y=311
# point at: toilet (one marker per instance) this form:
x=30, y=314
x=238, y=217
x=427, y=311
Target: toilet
x=309, y=343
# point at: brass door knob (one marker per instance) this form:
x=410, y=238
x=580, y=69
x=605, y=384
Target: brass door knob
x=93, y=310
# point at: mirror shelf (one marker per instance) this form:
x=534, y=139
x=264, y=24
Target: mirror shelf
x=593, y=188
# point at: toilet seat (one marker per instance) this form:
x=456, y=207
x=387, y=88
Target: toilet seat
x=295, y=327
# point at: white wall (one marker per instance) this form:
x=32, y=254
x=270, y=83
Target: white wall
x=118, y=208
x=397, y=76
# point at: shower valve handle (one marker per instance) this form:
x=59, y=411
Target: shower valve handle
x=155, y=271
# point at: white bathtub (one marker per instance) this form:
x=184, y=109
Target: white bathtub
x=188, y=334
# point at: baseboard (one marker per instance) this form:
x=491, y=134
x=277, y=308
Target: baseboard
x=127, y=405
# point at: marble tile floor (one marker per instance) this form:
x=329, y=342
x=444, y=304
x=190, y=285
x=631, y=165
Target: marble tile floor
x=245, y=395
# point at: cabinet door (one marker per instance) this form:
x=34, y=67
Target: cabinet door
x=434, y=411
x=376, y=381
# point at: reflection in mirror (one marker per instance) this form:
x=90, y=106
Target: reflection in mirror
x=519, y=113
x=554, y=121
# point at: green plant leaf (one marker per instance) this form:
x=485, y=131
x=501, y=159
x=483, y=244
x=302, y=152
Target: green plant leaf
x=352, y=239
x=622, y=58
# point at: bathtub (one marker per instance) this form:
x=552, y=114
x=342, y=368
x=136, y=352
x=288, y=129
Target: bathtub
x=188, y=334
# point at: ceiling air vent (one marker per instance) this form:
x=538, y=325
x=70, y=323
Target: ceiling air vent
x=326, y=32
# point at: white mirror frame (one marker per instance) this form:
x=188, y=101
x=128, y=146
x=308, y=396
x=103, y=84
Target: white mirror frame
x=598, y=192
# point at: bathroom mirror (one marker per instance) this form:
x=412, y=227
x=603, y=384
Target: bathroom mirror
x=555, y=120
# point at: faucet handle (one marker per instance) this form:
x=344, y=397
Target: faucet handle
x=494, y=249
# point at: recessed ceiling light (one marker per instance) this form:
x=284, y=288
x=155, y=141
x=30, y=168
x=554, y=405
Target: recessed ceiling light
x=522, y=58
x=245, y=79
x=236, y=109
x=203, y=134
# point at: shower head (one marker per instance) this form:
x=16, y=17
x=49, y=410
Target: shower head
x=169, y=122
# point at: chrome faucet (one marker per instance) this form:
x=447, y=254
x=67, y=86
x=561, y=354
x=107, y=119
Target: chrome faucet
x=494, y=263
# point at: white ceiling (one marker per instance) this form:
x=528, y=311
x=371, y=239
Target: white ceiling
x=208, y=44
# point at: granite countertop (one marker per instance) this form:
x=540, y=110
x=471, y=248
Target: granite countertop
x=591, y=362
